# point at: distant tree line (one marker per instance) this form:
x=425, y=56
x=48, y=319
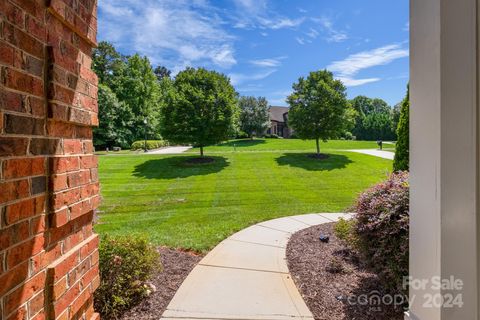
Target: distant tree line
x=129, y=97
x=201, y=107
x=375, y=119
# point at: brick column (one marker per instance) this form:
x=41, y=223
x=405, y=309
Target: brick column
x=48, y=173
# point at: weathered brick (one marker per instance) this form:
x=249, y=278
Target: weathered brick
x=25, y=292
x=13, y=147
x=31, y=37
x=23, y=167
x=23, y=40
x=64, y=164
x=90, y=161
x=12, y=101
x=14, y=190
x=58, y=112
x=13, y=278
x=37, y=225
x=6, y=53
x=13, y=13
x=21, y=81
x=24, y=209
x=60, y=129
x=42, y=146
x=39, y=185
x=36, y=28
x=23, y=251
x=72, y=146
x=24, y=125
x=34, y=7
x=14, y=234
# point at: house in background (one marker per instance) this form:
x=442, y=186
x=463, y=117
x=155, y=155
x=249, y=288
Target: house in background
x=279, y=122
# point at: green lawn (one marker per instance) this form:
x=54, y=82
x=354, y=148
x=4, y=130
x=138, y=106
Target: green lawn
x=287, y=145
x=195, y=207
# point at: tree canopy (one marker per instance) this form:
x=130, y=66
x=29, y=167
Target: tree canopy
x=129, y=94
x=318, y=107
x=254, y=116
x=374, y=120
x=199, y=108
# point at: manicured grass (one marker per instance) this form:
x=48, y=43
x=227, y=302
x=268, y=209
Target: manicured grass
x=286, y=145
x=197, y=206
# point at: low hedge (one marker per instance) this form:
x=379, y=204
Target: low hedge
x=151, y=144
x=126, y=265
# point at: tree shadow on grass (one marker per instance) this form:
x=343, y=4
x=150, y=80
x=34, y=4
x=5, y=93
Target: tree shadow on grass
x=178, y=167
x=302, y=160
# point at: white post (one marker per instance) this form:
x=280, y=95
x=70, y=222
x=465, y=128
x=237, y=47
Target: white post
x=444, y=157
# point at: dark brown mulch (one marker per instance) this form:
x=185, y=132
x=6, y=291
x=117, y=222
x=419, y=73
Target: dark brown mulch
x=320, y=156
x=176, y=265
x=331, y=278
x=204, y=160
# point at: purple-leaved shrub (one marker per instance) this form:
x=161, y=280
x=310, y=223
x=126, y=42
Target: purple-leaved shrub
x=382, y=229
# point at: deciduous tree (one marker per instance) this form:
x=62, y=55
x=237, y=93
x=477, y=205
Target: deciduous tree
x=318, y=107
x=254, y=116
x=200, y=108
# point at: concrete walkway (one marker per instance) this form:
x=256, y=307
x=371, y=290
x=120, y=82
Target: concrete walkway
x=169, y=150
x=377, y=153
x=246, y=276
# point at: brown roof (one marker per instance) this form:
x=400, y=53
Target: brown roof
x=276, y=113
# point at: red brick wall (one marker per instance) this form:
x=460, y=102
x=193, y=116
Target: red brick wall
x=48, y=175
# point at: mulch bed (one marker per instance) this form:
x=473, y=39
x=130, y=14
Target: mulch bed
x=194, y=161
x=330, y=277
x=320, y=156
x=176, y=265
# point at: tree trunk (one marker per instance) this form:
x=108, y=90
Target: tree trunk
x=318, y=146
x=201, y=151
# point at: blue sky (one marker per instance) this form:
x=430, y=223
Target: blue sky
x=266, y=45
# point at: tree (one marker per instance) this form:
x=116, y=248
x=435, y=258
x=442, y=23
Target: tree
x=374, y=119
x=200, y=108
x=318, y=107
x=402, y=154
x=254, y=116
x=162, y=72
x=114, y=120
x=107, y=62
x=138, y=87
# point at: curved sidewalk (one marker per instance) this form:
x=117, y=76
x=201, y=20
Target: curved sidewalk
x=246, y=276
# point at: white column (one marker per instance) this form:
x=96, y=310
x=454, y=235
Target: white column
x=444, y=155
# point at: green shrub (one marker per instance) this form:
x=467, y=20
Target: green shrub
x=345, y=231
x=401, y=161
x=126, y=264
x=382, y=229
x=151, y=144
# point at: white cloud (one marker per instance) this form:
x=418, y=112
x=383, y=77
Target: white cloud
x=407, y=26
x=312, y=33
x=347, y=69
x=332, y=34
x=239, y=78
x=302, y=41
x=268, y=63
x=253, y=14
x=170, y=32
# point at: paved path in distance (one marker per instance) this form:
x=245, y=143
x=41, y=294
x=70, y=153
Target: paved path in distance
x=377, y=153
x=246, y=276
x=169, y=150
